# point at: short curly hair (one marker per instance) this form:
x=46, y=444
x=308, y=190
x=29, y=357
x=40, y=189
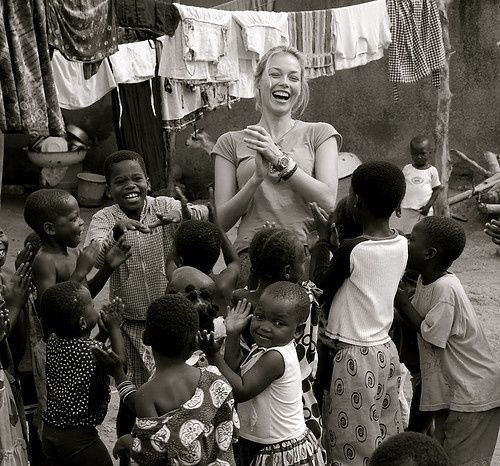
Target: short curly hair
x=172, y=323
x=120, y=156
x=61, y=308
x=381, y=185
x=45, y=205
x=291, y=294
x=271, y=250
x=198, y=243
x=410, y=448
x=445, y=235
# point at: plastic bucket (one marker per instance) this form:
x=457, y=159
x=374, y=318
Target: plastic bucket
x=91, y=189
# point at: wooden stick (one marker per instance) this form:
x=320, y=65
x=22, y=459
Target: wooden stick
x=490, y=209
x=169, y=141
x=443, y=159
x=481, y=187
x=492, y=161
x=475, y=165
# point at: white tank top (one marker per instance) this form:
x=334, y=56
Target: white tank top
x=276, y=414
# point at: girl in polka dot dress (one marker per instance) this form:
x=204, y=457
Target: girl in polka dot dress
x=77, y=387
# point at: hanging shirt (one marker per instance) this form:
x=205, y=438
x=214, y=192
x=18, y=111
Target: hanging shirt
x=417, y=49
x=361, y=33
x=311, y=33
x=28, y=98
x=134, y=63
x=83, y=30
x=73, y=90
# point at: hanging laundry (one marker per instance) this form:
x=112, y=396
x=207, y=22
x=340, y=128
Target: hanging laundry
x=208, y=36
x=154, y=18
x=361, y=33
x=251, y=5
x=262, y=30
x=83, y=30
x=134, y=63
x=244, y=87
x=417, y=49
x=73, y=90
x=28, y=99
x=311, y=33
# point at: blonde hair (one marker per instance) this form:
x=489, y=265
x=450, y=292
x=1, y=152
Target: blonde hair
x=303, y=99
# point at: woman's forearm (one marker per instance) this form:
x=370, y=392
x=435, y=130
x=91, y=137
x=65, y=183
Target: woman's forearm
x=232, y=210
x=313, y=190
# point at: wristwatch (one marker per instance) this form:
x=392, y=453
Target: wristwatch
x=283, y=163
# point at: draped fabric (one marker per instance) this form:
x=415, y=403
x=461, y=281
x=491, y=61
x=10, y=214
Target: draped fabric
x=140, y=129
x=28, y=98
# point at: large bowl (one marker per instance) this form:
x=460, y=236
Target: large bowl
x=56, y=159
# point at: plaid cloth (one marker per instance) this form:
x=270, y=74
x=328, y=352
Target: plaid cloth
x=142, y=278
x=132, y=332
x=311, y=33
x=417, y=48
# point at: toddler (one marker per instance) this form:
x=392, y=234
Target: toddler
x=422, y=186
x=460, y=374
x=359, y=286
x=267, y=383
x=275, y=255
x=77, y=389
x=185, y=414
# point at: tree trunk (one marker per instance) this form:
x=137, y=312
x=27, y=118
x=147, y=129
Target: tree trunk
x=443, y=159
x=169, y=140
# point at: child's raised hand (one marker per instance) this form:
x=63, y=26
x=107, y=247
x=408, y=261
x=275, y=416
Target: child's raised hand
x=4, y=323
x=238, y=317
x=16, y=290
x=320, y=221
x=166, y=219
x=107, y=360
x=208, y=343
x=118, y=254
x=87, y=259
x=128, y=224
x=112, y=313
x=123, y=446
x=24, y=256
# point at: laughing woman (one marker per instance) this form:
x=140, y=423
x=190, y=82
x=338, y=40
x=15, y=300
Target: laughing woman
x=272, y=170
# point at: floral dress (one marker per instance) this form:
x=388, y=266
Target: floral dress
x=200, y=432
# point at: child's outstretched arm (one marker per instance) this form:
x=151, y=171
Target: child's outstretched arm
x=406, y=310
x=111, y=316
x=266, y=370
x=435, y=193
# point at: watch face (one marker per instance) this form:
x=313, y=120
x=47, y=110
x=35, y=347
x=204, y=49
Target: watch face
x=283, y=162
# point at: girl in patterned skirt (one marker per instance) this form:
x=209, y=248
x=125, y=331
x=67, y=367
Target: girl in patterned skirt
x=185, y=414
x=267, y=383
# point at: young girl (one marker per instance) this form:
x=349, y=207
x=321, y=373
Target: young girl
x=273, y=430
x=276, y=254
x=185, y=414
x=77, y=389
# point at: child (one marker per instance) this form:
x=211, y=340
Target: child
x=409, y=448
x=185, y=414
x=359, y=286
x=276, y=254
x=77, y=389
x=460, y=374
x=422, y=186
x=146, y=223
x=267, y=383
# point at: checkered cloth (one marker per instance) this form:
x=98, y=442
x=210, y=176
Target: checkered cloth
x=417, y=48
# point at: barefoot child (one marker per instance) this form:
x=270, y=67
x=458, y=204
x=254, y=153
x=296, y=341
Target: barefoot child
x=460, y=374
x=185, y=414
x=359, y=286
x=77, y=389
x=267, y=383
x=422, y=186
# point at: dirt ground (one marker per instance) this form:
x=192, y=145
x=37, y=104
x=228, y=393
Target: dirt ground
x=478, y=269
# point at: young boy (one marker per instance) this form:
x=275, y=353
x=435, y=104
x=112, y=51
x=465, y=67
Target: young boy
x=147, y=225
x=460, y=375
x=359, y=286
x=422, y=186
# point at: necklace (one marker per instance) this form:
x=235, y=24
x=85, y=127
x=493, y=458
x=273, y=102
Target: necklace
x=280, y=139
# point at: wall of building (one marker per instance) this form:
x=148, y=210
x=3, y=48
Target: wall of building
x=358, y=102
